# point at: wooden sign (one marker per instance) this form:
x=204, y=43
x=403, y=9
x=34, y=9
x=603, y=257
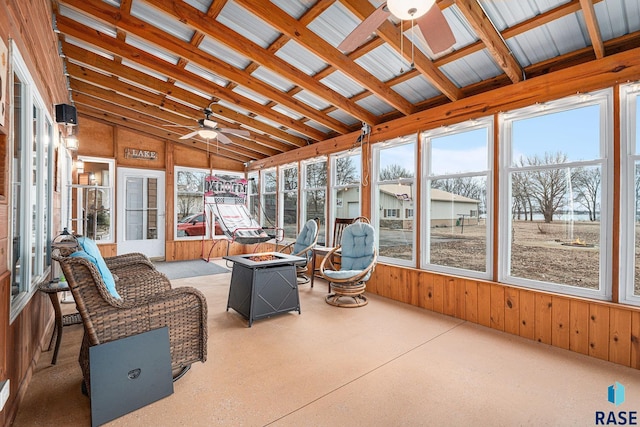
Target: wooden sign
x=134, y=153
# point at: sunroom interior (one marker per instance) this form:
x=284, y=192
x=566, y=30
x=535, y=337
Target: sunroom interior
x=501, y=171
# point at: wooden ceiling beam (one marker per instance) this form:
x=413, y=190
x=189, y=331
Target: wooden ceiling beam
x=491, y=38
x=193, y=17
x=392, y=35
x=592, y=27
x=111, y=90
x=118, y=115
x=77, y=54
x=116, y=47
x=311, y=41
x=159, y=37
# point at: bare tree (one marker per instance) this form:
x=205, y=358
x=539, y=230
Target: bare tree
x=346, y=172
x=586, y=184
x=190, y=189
x=548, y=184
x=393, y=172
x=469, y=186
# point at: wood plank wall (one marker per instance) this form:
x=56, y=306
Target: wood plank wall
x=603, y=330
x=28, y=24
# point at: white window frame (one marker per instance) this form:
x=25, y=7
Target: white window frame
x=629, y=95
x=604, y=98
x=425, y=197
x=176, y=171
x=264, y=221
x=376, y=214
x=33, y=270
x=79, y=226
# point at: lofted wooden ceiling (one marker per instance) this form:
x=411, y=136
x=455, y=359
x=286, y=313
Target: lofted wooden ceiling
x=273, y=68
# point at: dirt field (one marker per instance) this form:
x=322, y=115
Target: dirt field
x=555, y=252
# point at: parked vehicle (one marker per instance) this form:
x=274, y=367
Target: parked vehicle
x=195, y=225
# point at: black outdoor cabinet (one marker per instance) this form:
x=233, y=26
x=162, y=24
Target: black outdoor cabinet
x=264, y=288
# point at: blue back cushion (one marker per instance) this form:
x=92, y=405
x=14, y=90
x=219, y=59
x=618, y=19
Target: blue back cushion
x=93, y=254
x=358, y=246
x=306, y=236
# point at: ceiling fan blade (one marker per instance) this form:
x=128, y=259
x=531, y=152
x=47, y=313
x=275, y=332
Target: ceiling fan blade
x=239, y=132
x=189, y=135
x=223, y=138
x=364, y=30
x=436, y=30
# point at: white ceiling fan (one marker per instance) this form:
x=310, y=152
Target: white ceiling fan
x=428, y=16
x=208, y=129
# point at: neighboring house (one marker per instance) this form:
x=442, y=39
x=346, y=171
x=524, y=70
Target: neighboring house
x=447, y=209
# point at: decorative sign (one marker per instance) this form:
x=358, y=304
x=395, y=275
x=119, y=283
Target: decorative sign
x=4, y=79
x=134, y=153
x=225, y=186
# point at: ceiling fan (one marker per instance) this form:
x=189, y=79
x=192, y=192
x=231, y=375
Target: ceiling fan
x=428, y=16
x=209, y=129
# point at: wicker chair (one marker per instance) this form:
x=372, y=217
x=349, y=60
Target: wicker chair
x=146, y=302
x=358, y=257
x=303, y=247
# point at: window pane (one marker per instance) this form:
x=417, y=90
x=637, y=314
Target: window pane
x=316, y=175
x=348, y=170
x=347, y=203
x=315, y=208
x=558, y=132
x=269, y=210
x=555, y=226
x=16, y=184
x=396, y=220
x=190, y=203
x=636, y=288
x=458, y=224
x=397, y=162
x=290, y=220
x=290, y=179
x=460, y=152
x=270, y=181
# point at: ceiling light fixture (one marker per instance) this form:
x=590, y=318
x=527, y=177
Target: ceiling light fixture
x=407, y=10
x=207, y=133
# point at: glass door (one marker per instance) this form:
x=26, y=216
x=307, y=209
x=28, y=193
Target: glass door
x=141, y=213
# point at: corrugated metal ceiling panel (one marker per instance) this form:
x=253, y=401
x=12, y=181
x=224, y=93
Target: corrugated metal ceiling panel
x=295, y=8
x=312, y=100
x=334, y=24
x=249, y=94
x=342, y=84
x=383, y=62
x=375, y=105
x=247, y=24
x=143, y=45
x=88, y=47
x=301, y=58
x=144, y=69
x=109, y=30
x=220, y=51
x=272, y=79
x=416, y=89
x=159, y=19
x=206, y=74
x=345, y=118
x=201, y=5
x=471, y=69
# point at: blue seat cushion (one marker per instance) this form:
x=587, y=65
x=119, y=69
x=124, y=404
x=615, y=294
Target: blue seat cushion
x=345, y=274
x=306, y=236
x=92, y=253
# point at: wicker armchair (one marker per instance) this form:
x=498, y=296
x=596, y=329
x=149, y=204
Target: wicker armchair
x=147, y=302
x=358, y=257
x=303, y=247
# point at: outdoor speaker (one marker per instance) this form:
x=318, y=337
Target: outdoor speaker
x=67, y=114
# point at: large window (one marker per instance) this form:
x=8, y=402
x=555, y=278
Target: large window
x=630, y=198
x=394, y=195
x=345, y=184
x=31, y=189
x=288, y=218
x=556, y=189
x=457, y=194
x=314, y=194
x=190, y=214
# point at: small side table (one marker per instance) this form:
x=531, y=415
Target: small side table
x=52, y=289
x=320, y=251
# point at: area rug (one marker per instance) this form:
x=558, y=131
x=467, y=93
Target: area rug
x=191, y=268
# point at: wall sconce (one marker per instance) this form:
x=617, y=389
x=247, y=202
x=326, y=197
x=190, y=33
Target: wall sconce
x=71, y=142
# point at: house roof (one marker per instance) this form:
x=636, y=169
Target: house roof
x=274, y=69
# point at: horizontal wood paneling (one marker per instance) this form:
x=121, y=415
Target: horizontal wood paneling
x=603, y=330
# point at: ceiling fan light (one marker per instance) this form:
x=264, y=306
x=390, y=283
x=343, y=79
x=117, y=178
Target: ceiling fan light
x=207, y=133
x=409, y=9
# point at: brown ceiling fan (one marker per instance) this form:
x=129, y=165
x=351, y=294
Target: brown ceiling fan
x=209, y=129
x=427, y=15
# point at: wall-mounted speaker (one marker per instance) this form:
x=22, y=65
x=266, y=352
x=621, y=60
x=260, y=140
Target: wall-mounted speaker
x=66, y=114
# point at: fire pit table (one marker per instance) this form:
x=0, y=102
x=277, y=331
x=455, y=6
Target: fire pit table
x=263, y=284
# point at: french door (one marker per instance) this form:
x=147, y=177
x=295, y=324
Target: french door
x=141, y=214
